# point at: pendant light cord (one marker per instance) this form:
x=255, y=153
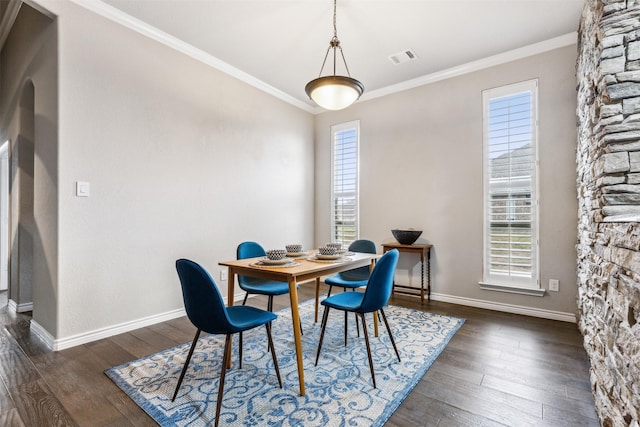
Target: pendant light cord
x=334, y=44
x=335, y=27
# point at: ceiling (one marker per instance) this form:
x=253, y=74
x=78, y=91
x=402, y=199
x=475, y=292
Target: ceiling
x=282, y=43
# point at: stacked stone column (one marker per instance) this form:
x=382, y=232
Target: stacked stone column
x=608, y=164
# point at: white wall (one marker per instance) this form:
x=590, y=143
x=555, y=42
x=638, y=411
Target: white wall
x=421, y=167
x=182, y=161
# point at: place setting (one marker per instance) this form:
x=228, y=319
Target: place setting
x=331, y=252
x=295, y=251
x=281, y=257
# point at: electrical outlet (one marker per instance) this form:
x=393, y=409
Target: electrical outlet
x=223, y=275
x=554, y=285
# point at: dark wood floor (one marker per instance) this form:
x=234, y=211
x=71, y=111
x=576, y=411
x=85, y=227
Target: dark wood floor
x=499, y=369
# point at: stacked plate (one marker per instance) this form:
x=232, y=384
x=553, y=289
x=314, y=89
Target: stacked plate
x=267, y=261
x=296, y=254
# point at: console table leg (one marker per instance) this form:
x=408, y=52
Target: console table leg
x=422, y=279
x=428, y=276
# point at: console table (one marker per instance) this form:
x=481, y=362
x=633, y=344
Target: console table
x=425, y=254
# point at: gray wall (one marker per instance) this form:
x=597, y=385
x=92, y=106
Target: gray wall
x=421, y=167
x=182, y=161
x=185, y=161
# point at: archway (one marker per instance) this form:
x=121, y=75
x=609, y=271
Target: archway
x=4, y=217
x=21, y=191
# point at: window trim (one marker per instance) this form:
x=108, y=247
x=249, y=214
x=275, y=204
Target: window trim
x=355, y=124
x=490, y=282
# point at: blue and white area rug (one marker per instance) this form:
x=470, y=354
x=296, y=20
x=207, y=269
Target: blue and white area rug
x=339, y=391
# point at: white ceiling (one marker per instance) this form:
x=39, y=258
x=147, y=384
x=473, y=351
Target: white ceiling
x=282, y=42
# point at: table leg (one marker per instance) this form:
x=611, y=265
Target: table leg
x=428, y=275
x=375, y=323
x=230, y=286
x=375, y=313
x=315, y=319
x=422, y=278
x=295, y=317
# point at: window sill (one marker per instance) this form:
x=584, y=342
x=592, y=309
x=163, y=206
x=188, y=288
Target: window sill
x=512, y=289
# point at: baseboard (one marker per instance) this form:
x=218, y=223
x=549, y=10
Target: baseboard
x=72, y=341
x=98, y=334
x=22, y=308
x=42, y=333
x=507, y=308
x=19, y=308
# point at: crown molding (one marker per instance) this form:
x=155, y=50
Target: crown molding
x=481, y=64
x=116, y=15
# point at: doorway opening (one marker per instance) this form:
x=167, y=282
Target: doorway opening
x=4, y=223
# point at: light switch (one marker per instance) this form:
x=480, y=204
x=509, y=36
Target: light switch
x=82, y=189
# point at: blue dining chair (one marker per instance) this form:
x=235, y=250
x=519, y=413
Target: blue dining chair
x=374, y=298
x=352, y=279
x=254, y=285
x=358, y=277
x=206, y=310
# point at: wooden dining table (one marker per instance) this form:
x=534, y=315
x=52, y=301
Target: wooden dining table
x=303, y=269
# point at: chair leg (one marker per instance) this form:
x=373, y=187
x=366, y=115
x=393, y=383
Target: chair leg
x=366, y=340
x=273, y=354
x=346, y=321
x=325, y=315
x=186, y=364
x=240, y=350
x=269, y=308
x=225, y=358
x=390, y=334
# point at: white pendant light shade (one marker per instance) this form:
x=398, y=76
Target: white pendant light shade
x=334, y=92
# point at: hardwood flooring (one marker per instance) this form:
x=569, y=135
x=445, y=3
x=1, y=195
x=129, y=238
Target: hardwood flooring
x=499, y=369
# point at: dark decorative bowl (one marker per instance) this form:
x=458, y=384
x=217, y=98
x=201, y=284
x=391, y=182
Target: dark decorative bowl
x=406, y=237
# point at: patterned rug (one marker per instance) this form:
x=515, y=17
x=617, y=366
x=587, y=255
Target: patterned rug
x=339, y=391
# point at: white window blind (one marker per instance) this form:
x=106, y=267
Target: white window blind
x=510, y=163
x=344, y=182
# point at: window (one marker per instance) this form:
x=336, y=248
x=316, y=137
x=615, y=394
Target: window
x=510, y=193
x=344, y=182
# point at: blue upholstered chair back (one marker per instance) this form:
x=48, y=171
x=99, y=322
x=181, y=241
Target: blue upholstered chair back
x=363, y=245
x=249, y=250
x=380, y=284
x=362, y=273
x=202, y=299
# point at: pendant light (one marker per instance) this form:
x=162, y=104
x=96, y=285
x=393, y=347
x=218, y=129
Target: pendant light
x=334, y=92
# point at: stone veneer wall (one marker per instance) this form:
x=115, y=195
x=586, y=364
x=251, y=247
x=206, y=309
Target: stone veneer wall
x=608, y=162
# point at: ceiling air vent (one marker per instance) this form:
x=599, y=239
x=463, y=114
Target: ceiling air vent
x=404, y=56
